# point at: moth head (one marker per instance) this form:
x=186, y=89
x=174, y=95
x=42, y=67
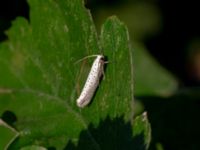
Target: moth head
x=101, y=57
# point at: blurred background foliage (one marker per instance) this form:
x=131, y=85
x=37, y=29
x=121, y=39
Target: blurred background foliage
x=165, y=37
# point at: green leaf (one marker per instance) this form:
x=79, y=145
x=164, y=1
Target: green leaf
x=40, y=81
x=150, y=77
x=141, y=127
x=143, y=20
x=115, y=43
x=33, y=147
x=7, y=135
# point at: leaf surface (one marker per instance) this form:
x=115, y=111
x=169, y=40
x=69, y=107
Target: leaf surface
x=7, y=135
x=40, y=81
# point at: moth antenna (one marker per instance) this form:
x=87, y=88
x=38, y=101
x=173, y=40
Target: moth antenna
x=85, y=58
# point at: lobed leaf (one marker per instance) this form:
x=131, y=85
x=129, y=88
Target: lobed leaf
x=40, y=81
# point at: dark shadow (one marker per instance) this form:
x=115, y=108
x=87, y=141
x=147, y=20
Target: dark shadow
x=95, y=4
x=109, y=135
x=9, y=10
x=174, y=121
x=9, y=117
x=51, y=148
x=180, y=27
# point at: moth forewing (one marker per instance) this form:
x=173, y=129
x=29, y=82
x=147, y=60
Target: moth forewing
x=92, y=82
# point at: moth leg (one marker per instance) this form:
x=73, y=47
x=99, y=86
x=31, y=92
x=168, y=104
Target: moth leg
x=106, y=62
x=102, y=69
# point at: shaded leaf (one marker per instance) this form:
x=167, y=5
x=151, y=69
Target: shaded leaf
x=120, y=135
x=150, y=77
x=7, y=135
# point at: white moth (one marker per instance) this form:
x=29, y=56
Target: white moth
x=92, y=81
